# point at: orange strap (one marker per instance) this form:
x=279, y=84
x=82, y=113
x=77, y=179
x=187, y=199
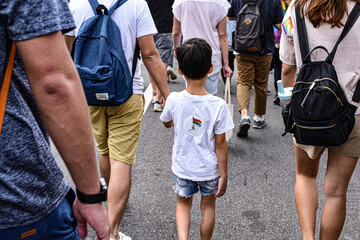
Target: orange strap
x=5, y=85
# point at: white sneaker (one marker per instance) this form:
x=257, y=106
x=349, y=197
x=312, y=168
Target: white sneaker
x=170, y=71
x=158, y=107
x=123, y=236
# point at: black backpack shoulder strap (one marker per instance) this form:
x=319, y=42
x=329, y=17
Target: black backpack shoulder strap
x=135, y=59
x=303, y=39
x=354, y=15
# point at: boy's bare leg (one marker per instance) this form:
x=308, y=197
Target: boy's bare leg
x=207, y=206
x=183, y=208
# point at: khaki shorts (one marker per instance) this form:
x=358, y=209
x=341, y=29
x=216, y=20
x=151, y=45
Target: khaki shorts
x=117, y=129
x=351, y=148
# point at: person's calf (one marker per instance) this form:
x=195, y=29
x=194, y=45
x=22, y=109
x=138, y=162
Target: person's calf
x=207, y=206
x=183, y=219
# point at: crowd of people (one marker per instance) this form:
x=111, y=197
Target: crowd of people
x=46, y=100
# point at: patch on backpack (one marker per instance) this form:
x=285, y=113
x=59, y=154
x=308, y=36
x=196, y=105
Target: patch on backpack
x=28, y=233
x=102, y=96
x=247, y=21
x=287, y=25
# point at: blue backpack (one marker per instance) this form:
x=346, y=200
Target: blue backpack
x=100, y=60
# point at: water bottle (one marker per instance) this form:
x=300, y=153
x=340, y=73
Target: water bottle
x=284, y=93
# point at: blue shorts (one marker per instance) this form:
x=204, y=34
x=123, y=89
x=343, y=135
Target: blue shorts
x=186, y=188
x=211, y=83
x=59, y=225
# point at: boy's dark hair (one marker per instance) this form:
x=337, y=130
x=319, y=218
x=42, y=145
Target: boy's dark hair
x=194, y=58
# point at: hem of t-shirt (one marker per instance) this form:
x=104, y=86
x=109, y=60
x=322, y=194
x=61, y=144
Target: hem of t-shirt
x=195, y=179
x=224, y=130
x=163, y=119
x=39, y=216
x=153, y=32
x=65, y=27
x=288, y=62
x=138, y=91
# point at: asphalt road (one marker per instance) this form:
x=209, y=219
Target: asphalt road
x=259, y=202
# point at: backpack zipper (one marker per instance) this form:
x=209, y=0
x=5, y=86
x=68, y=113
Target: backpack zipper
x=313, y=85
x=319, y=79
x=307, y=94
x=327, y=127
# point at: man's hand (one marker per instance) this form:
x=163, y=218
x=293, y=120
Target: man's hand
x=95, y=215
x=227, y=71
x=221, y=187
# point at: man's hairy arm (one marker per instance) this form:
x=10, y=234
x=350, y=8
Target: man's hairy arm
x=59, y=95
x=176, y=32
x=153, y=63
x=224, y=46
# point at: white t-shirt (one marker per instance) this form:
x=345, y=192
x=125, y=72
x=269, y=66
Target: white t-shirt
x=196, y=121
x=347, y=57
x=199, y=19
x=134, y=20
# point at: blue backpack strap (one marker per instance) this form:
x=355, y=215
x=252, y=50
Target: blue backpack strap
x=94, y=4
x=116, y=5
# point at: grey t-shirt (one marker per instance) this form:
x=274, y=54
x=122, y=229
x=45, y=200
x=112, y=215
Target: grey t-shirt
x=31, y=183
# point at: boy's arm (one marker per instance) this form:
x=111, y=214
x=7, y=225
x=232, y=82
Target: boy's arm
x=222, y=156
x=168, y=124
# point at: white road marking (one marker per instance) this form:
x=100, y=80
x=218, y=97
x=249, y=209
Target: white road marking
x=148, y=97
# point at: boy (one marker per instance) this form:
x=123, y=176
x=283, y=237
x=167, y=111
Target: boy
x=200, y=120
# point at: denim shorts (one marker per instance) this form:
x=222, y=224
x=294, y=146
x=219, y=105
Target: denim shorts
x=59, y=225
x=186, y=188
x=211, y=83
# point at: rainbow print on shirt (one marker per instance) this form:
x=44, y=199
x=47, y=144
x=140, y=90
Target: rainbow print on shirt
x=284, y=6
x=287, y=25
x=197, y=122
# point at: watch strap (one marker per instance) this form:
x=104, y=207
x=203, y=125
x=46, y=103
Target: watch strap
x=94, y=198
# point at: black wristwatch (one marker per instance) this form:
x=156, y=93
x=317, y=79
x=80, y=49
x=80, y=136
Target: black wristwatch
x=94, y=198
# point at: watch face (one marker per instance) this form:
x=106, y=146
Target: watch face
x=103, y=184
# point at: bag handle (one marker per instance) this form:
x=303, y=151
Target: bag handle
x=227, y=94
x=6, y=85
x=315, y=48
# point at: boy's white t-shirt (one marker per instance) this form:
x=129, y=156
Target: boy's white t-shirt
x=196, y=121
x=134, y=20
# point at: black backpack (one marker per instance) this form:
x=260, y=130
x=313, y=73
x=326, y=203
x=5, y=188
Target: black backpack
x=320, y=115
x=250, y=32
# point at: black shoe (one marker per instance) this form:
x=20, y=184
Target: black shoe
x=244, y=127
x=276, y=100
